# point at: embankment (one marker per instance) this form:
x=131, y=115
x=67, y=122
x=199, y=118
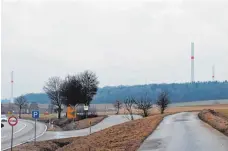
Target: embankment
x=215, y=119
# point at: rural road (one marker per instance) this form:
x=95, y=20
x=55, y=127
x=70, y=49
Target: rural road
x=23, y=131
x=184, y=132
x=107, y=122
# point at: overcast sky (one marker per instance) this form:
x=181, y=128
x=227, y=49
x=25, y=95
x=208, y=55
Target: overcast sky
x=124, y=42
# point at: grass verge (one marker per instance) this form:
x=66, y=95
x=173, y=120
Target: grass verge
x=217, y=120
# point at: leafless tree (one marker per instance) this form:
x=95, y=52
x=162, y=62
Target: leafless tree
x=128, y=105
x=89, y=84
x=52, y=88
x=118, y=105
x=163, y=101
x=144, y=104
x=21, y=102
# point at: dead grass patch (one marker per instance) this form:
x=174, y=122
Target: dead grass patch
x=216, y=119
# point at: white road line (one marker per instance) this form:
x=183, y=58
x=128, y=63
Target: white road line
x=16, y=131
x=20, y=129
x=28, y=139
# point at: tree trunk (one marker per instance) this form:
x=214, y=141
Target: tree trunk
x=59, y=114
x=145, y=113
x=117, y=111
x=20, y=112
x=132, y=118
x=162, y=111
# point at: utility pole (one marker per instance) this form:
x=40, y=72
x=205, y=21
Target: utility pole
x=11, y=99
x=192, y=63
x=213, y=73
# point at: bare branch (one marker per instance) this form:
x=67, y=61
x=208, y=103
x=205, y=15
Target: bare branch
x=163, y=101
x=117, y=105
x=52, y=88
x=21, y=102
x=128, y=104
x=144, y=104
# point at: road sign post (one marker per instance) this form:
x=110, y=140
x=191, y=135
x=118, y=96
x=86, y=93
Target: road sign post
x=12, y=122
x=35, y=116
x=86, y=108
x=90, y=127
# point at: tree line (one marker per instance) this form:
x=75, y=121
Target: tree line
x=179, y=92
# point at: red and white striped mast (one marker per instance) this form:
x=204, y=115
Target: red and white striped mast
x=213, y=73
x=11, y=101
x=192, y=62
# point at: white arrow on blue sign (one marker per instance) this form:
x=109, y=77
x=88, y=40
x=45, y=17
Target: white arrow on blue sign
x=36, y=114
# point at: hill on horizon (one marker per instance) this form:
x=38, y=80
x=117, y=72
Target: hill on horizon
x=179, y=92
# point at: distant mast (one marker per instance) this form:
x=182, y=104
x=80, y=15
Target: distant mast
x=213, y=73
x=11, y=101
x=192, y=62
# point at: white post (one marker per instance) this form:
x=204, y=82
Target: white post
x=192, y=62
x=213, y=73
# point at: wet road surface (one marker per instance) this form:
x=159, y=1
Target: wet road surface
x=185, y=132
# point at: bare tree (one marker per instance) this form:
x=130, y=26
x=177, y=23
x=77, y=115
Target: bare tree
x=128, y=105
x=89, y=84
x=21, y=102
x=118, y=105
x=163, y=101
x=144, y=104
x=52, y=88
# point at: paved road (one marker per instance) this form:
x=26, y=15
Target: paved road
x=107, y=122
x=23, y=132
x=185, y=132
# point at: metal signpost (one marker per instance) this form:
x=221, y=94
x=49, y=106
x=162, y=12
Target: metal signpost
x=12, y=122
x=86, y=108
x=35, y=115
x=90, y=127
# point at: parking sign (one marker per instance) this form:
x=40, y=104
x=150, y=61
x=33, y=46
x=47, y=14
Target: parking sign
x=35, y=114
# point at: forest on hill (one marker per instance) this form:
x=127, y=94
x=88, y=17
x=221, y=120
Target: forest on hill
x=178, y=92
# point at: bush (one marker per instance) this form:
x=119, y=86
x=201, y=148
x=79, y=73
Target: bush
x=62, y=122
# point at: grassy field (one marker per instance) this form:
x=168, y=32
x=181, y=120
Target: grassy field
x=174, y=109
x=223, y=111
x=42, y=116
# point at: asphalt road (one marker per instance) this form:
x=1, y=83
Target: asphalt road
x=185, y=132
x=24, y=131
x=107, y=122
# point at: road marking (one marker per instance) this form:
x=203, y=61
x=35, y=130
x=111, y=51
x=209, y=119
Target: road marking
x=20, y=129
x=16, y=131
x=29, y=139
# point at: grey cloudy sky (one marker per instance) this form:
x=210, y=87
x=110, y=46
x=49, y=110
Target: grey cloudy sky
x=125, y=42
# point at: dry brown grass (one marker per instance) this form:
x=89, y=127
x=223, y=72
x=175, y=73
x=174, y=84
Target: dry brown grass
x=215, y=119
x=155, y=110
x=86, y=122
x=42, y=116
x=223, y=111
